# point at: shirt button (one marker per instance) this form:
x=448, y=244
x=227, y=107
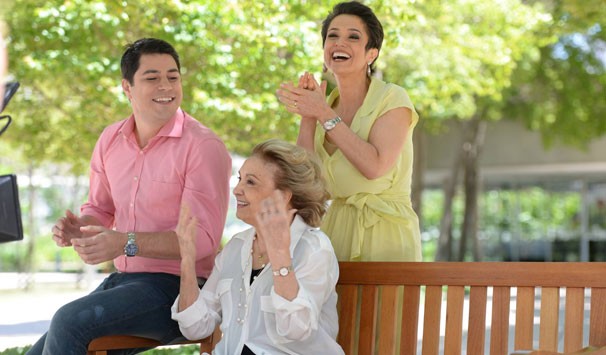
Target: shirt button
x=135, y=178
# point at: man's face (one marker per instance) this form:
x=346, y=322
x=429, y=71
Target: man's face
x=156, y=92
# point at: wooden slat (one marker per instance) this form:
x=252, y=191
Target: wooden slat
x=431, y=321
x=573, y=321
x=348, y=300
x=368, y=320
x=548, y=329
x=524, y=318
x=410, y=320
x=547, y=274
x=499, y=329
x=388, y=319
x=477, y=320
x=454, y=320
x=597, y=320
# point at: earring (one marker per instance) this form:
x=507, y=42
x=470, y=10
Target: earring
x=368, y=70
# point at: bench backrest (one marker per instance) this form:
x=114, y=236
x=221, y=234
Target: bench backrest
x=369, y=295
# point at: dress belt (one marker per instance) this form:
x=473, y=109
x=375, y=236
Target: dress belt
x=373, y=208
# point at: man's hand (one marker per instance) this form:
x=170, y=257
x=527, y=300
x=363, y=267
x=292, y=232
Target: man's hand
x=66, y=228
x=99, y=244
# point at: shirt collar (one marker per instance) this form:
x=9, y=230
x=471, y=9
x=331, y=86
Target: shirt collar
x=172, y=128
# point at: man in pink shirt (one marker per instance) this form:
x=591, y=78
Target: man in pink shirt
x=142, y=169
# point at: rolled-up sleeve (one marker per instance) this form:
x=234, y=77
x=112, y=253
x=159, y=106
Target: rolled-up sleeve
x=100, y=202
x=198, y=320
x=317, y=278
x=201, y=318
x=206, y=191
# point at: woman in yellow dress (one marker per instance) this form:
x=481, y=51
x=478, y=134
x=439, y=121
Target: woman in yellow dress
x=364, y=140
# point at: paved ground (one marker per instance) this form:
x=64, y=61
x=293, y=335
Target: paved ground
x=25, y=315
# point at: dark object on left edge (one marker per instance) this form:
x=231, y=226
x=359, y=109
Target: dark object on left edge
x=9, y=90
x=11, y=228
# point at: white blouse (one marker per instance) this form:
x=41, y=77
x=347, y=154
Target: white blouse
x=253, y=314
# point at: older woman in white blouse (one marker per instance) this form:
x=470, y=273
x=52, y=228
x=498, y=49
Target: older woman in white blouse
x=272, y=288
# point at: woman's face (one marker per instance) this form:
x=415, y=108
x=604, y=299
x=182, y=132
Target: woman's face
x=345, y=46
x=256, y=182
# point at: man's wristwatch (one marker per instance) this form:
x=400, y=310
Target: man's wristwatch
x=330, y=124
x=283, y=271
x=131, y=248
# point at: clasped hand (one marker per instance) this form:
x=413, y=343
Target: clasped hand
x=98, y=244
x=94, y=244
x=307, y=99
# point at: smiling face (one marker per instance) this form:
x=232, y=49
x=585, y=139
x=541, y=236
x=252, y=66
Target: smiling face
x=345, y=46
x=156, y=92
x=256, y=183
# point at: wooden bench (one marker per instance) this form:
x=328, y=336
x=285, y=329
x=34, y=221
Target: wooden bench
x=368, y=317
x=492, y=287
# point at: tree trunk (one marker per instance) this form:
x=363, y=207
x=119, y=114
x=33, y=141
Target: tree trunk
x=444, y=252
x=474, y=132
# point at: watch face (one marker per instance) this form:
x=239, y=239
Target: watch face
x=131, y=249
x=284, y=271
x=328, y=125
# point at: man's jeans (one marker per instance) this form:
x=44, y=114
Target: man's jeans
x=125, y=303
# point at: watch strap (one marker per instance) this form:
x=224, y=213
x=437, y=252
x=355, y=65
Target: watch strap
x=131, y=248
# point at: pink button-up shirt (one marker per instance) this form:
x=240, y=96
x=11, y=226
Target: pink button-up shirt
x=141, y=190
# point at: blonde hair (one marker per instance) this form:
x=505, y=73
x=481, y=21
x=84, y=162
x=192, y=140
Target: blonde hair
x=299, y=172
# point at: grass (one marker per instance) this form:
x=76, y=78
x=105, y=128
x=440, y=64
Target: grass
x=182, y=350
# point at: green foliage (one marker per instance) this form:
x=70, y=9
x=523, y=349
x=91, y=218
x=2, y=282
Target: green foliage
x=234, y=56
x=536, y=61
x=15, y=351
x=452, y=56
x=561, y=91
x=66, y=56
x=183, y=350
x=531, y=213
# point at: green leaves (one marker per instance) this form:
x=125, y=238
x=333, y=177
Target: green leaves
x=451, y=56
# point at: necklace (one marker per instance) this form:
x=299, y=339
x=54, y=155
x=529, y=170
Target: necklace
x=261, y=256
x=245, y=288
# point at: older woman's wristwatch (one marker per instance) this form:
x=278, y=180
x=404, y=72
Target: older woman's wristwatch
x=283, y=271
x=330, y=124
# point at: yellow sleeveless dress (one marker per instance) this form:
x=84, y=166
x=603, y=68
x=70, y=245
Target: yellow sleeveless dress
x=371, y=220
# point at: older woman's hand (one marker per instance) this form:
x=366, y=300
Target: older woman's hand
x=273, y=224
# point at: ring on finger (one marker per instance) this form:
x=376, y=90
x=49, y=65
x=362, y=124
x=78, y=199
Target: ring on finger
x=295, y=104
